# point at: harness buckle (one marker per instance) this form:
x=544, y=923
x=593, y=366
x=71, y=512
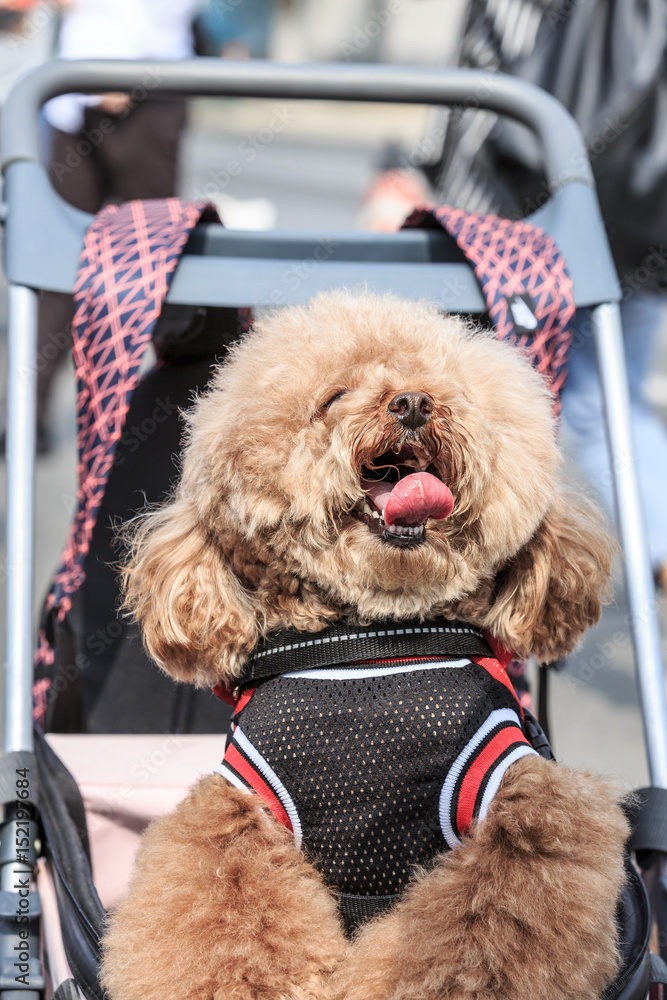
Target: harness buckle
x=536, y=737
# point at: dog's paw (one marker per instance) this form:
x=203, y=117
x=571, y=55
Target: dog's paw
x=526, y=909
x=222, y=907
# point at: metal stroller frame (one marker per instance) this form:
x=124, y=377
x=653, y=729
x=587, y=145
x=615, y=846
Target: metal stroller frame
x=44, y=235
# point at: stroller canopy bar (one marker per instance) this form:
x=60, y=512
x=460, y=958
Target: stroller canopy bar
x=44, y=235
x=565, y=155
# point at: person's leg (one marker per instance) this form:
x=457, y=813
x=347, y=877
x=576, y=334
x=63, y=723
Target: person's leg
x=644, y=319
x=75, y=171
x=582, y=411
x=54, y=342
x=141, y=153
x=643, y=316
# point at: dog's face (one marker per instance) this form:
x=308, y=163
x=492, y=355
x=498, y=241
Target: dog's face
x=320, y=411
x=363, y=456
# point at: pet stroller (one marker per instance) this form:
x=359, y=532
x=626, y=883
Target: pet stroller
x=44, y=825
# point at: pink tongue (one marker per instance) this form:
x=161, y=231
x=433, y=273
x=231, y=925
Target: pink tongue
x=412, y=499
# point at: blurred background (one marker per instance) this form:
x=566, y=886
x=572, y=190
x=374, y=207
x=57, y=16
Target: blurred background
x=305, y=165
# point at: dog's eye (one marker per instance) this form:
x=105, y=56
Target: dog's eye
x=341, y=392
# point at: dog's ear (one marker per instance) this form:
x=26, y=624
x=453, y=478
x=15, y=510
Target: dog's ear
x=554, y=588
x=197, y=619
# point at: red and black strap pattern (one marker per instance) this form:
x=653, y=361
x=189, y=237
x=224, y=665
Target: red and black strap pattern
x=129, y=256
x=240, y=770
x=522, y=273
x=476, y=774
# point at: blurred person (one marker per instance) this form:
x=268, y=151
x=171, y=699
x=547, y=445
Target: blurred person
x=12, y=13
x=236, y=29
x=27, y=37
x=606, y=61
x=114, y=147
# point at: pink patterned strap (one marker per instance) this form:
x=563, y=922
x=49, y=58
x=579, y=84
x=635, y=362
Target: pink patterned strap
x=524, y=280
x=129, y=255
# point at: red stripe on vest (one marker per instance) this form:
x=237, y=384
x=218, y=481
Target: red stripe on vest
x=226, y=694
x=500, y=653
x=255, y=780
x=477, y=772
x=498, y=672
x=243, y=700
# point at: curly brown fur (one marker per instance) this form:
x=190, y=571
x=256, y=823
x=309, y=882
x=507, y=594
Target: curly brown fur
x=551, y=591
x=525, y=909
x=267, y=530
x=222, y=905
x=260, y=533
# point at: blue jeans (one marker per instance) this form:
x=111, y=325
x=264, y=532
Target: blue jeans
x=644, y=317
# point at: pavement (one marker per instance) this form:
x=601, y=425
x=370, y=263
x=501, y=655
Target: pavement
x=313, y=172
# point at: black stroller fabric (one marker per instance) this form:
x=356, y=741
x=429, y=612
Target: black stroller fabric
x=102, y=680
x=79, y=907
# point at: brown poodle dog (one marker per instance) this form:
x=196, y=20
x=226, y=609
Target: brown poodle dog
x=367, y=459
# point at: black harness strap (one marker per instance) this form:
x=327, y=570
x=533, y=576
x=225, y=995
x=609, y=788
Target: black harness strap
x=536, y=736
x=357, y=910
x=347, y=644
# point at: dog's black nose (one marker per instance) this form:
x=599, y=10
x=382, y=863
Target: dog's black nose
x=412, y=409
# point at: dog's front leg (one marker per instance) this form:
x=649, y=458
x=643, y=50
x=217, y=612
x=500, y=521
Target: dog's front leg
x=222, y=906
x=524, y=910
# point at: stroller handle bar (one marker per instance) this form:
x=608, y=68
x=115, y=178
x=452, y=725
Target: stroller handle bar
x=44, y=234
x=565, y=156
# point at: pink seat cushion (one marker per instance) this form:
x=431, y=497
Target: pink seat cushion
x=125, y=782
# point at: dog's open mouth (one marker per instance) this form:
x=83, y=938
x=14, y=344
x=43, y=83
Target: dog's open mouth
x=403, y=490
